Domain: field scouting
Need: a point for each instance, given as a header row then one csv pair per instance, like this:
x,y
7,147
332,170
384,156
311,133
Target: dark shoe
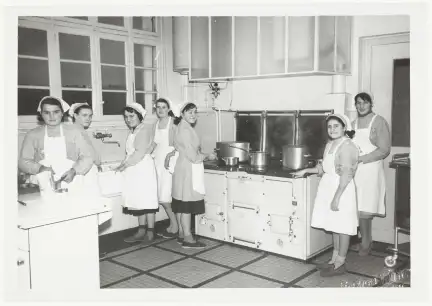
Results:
x,y
167,234
180,240
355,247
323,266
135,238
193,245
365,252
331,271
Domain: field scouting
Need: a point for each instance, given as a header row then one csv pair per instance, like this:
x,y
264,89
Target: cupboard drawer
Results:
x,y
23,240
279,197
215,186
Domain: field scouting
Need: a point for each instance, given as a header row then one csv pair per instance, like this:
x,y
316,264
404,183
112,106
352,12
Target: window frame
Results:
x,y
91,28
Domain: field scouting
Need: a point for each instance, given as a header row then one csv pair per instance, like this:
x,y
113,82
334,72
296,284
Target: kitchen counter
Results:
x,y
62,207
274,169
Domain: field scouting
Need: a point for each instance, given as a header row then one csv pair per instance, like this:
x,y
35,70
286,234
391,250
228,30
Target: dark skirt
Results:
x,y
188,207
139,212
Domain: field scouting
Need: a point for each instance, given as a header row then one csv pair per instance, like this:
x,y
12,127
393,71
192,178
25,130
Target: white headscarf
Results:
x,y
74,107
344,119
138,107
63,103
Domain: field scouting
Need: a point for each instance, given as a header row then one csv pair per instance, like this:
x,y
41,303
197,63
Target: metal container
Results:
x,y
230,161
233,149
295,157
259,159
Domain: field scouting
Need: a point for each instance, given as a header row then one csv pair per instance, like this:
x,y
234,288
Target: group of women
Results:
x,y
352,188
163,164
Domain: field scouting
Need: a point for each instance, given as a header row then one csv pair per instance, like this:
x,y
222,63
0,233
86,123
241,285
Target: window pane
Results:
x,y
144,56
76,75
113,78
33,72
28,100
114,102
71,96
117,21
144,79
144,23
139,98
112,52
78,17
32,42
326,43
74,47
301,40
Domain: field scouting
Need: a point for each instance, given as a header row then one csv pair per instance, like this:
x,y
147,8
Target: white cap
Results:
x,y
170,103
74,107
138,107
177,109
344,119
63,103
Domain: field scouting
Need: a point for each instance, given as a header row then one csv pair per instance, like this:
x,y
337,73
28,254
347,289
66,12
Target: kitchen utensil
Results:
x,y
296,157
259,159
233,149
231,161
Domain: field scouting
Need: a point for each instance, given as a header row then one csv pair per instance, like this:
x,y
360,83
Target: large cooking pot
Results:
x,y
259,159
233,149
296,157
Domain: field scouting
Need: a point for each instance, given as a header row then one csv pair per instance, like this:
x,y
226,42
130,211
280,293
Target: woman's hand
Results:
x,y
122,167
212,156
335,204
99,168
68,176
168,158
300,173
44,168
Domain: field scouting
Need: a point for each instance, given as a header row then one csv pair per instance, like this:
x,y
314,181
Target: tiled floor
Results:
x,y
165,264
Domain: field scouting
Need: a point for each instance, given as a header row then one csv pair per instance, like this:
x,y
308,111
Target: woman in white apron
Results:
x,y
82,115
373,140
335,208
188,177
56,153
139,174
163,138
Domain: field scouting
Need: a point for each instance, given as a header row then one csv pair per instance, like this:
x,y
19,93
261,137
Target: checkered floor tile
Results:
x,y
190,272
143,281
110,272
147,258
241,280
278,268
231,256
315,280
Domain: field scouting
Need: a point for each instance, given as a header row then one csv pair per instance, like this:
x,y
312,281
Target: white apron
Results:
x,y
56,158
164,176
198,178
369,178
344,221
140,180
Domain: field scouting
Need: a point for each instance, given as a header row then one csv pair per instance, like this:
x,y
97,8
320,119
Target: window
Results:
x,y
75,68
33,69
84,62
145,74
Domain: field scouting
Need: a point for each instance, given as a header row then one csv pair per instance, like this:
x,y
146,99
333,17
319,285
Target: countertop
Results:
x,y
62,207
275,169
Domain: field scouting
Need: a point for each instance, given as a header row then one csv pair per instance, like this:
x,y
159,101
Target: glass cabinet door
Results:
x,y
200,47
272,45
343,44
245,46
301,41
221,47
326,43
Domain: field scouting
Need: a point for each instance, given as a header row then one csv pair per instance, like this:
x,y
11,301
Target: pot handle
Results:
x,y
238,148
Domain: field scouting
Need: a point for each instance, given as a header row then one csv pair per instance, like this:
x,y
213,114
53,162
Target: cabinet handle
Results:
x,y
20,262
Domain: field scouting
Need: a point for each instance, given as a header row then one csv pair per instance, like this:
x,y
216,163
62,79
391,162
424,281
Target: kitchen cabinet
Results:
x,y
263,212
229,48
58,244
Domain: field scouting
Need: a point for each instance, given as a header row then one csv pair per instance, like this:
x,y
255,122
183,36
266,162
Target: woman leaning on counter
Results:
x,y
188,177
56,147
139,180
335,208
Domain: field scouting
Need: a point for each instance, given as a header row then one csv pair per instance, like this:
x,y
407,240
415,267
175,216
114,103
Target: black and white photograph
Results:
x,y
217,149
